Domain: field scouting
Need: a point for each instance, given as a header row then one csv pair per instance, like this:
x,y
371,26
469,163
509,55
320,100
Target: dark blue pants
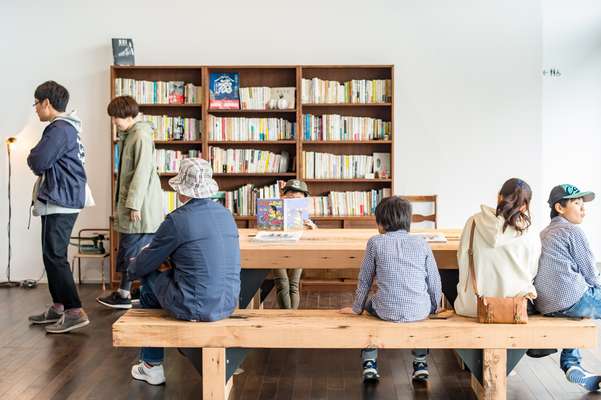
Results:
x,y
56,231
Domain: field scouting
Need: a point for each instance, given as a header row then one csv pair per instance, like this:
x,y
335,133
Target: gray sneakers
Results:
x,y
69,322
47,317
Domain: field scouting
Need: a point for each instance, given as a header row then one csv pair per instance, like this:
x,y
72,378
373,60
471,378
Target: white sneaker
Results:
x,y
154,375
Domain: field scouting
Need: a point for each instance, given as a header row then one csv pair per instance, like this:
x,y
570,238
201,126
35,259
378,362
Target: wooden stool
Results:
x,y
79,256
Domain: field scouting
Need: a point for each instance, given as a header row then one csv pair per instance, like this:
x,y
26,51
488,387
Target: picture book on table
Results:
x,y
123,52
224,90
282,214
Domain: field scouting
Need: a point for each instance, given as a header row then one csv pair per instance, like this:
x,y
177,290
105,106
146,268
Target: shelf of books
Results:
x,y
170,98
259,126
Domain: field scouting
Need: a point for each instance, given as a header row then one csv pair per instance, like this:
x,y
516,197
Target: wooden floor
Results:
x,y
84,365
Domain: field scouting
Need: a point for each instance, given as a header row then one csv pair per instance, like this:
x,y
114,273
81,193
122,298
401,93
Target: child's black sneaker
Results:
x,y
370,371
420,371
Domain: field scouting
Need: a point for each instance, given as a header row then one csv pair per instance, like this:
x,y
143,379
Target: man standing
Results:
x,y
138,193
59,194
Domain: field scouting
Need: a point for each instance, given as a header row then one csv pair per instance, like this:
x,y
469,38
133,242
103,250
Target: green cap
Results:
x,y
567,191
296,185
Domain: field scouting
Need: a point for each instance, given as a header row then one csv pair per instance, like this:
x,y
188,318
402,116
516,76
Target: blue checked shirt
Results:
x,y
408,280
566,269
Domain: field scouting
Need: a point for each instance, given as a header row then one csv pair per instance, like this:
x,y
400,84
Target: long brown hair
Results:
x,y
515,194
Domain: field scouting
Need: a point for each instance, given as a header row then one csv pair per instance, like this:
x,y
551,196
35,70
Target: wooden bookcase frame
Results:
x,y
268,75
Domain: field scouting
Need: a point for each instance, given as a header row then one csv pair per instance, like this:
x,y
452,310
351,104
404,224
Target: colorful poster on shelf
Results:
x,y
282,214
175,93
382,165
224,90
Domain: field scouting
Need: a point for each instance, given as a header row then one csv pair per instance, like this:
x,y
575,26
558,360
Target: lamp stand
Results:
x,y
8,283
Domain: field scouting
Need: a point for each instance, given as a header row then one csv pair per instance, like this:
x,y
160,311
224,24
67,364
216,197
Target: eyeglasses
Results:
x,y
36,103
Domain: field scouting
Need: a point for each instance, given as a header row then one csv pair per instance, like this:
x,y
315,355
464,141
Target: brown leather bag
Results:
x,y
496,310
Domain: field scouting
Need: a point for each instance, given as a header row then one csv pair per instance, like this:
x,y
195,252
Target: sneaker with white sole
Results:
x,y
578,375
370,371
155,375
114,300
69,322
50,316
420,371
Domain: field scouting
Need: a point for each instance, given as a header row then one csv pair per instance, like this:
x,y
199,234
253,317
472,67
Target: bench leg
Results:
x,y
257,305
213,374
494,372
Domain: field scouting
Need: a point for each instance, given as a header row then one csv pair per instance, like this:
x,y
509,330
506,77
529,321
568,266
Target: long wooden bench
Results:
x,y
328,329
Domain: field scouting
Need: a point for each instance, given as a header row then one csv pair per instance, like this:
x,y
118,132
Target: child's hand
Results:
x,y
310,224
346,310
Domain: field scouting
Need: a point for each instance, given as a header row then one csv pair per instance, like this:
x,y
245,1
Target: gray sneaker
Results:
x,y
69,322
47,317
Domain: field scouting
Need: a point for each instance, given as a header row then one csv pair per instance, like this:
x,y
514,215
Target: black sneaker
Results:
x,y
114,300
370,371
420,371
49,316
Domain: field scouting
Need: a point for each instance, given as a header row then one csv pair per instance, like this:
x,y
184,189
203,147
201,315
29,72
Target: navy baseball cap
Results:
x,y
567,191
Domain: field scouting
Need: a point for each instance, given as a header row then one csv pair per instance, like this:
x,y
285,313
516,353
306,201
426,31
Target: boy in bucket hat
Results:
x,y
200,239
567,282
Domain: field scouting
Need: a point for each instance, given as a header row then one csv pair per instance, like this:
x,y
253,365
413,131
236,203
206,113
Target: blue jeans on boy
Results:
x,y
589,306
372,354
150,355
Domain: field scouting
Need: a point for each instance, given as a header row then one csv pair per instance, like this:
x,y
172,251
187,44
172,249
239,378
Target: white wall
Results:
x,y
468,86
572,103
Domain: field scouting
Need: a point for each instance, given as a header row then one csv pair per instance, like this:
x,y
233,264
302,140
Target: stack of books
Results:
x,y
174,128
264,98
338,127
243,201
357,91
240,129
248,161
334,166
348,203
193,94
158,92
170,202
168,160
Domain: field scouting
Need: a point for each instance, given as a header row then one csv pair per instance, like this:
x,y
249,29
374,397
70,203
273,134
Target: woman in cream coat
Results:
x,y
506,257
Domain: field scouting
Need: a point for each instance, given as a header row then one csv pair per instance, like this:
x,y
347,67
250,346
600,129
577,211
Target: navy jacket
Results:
x,y
201,240
59,157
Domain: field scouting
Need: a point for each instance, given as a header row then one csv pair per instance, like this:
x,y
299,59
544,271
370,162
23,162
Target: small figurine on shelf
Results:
x,y
282,103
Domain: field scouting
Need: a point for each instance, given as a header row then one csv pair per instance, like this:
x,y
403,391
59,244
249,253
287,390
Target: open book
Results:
x,y
431,237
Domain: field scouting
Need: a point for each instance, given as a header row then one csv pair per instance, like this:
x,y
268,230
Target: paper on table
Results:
x,y
277,236
431,237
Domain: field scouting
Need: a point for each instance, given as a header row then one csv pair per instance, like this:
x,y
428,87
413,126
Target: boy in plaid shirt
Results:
x,y
409,287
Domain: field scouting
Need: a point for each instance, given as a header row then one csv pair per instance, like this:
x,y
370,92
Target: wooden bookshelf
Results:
x,y
270,76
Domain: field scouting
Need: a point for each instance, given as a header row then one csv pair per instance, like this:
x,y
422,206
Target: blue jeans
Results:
x,y
589,306
372,354
150,355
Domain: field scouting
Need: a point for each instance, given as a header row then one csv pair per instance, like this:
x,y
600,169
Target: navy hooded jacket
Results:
x,y
59,157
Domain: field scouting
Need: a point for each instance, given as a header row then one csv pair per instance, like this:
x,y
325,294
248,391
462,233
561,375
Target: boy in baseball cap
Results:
x,y
567,282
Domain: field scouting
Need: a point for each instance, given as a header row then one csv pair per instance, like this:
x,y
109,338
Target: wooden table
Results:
x,y
331,249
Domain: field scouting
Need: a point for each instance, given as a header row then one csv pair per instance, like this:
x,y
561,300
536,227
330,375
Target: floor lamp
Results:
x,y
10,142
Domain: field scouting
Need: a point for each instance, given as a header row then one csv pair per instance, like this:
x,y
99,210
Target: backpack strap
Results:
x,y
470,252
